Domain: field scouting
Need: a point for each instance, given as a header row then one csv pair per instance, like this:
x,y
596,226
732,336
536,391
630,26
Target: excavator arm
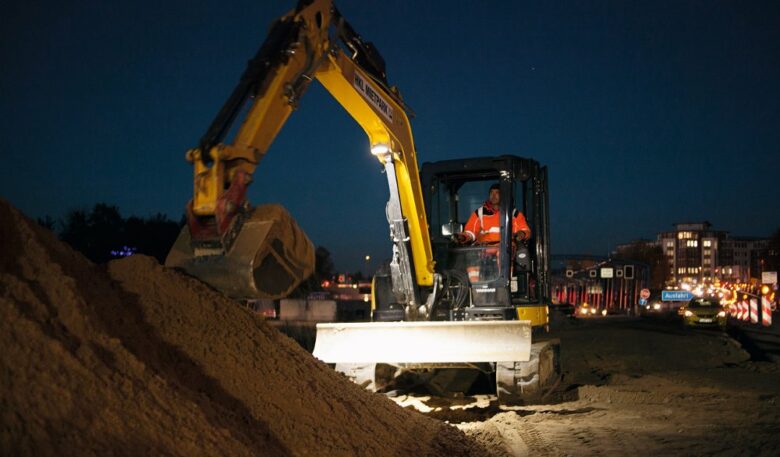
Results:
x,y
311,42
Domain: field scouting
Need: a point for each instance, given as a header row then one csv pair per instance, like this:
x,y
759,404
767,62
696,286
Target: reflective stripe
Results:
x,y
482,230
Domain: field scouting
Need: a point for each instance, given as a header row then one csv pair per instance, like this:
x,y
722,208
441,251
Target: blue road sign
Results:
x,y
642,301
676,295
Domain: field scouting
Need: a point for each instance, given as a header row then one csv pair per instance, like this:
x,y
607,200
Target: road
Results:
x,y
635,387
763,343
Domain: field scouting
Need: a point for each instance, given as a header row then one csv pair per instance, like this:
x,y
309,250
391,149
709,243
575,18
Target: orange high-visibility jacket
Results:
x,y
483,225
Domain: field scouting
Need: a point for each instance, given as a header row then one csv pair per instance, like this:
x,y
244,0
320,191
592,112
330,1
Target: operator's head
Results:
x,y
495,194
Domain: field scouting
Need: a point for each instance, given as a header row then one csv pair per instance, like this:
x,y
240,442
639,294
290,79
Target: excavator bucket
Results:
x,y
270,256
423,342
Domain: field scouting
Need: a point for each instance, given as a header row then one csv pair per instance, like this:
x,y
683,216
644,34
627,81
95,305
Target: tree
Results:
x,y
323,264
323,269
153,236
103,234
77,231
47,222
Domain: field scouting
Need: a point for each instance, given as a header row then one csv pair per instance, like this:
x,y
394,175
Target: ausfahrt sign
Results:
x,y
676,295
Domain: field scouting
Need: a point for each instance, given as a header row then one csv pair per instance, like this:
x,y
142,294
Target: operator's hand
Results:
x,y
460,238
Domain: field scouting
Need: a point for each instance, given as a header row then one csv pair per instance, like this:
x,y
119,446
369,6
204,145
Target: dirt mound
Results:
x,y
136,359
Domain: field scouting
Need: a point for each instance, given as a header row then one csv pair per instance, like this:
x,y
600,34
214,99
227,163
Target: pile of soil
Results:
x,y
136,359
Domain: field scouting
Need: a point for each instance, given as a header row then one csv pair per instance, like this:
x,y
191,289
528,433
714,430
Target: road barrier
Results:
x,y
748,311
753,311
745,308
766,312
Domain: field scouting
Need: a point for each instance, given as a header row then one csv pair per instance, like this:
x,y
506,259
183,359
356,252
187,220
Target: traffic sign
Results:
x,y
769,277
644,293
676,295
642,301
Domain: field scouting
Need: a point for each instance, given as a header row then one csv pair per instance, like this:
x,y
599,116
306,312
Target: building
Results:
x,y
691,250
697,253
742,257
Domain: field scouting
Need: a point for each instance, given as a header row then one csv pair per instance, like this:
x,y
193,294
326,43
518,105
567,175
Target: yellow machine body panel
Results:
x,y
537,315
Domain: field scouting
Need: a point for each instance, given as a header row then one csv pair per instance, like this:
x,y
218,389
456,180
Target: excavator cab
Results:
x,y
507,279
503,280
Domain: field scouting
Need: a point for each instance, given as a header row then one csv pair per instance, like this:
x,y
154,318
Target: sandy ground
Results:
x,y
635,387
136,359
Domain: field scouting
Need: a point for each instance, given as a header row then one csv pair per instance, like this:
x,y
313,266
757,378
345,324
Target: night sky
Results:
x,y
647,113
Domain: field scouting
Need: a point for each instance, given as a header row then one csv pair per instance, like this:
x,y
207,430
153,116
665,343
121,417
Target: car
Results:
x,y
654,306
704,312
587,310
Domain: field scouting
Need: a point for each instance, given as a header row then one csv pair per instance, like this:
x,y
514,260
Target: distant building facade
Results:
x,y
695,252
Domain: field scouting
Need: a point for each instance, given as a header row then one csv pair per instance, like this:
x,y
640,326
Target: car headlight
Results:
x,y
688,313
593,310
583,311
656,306
722,314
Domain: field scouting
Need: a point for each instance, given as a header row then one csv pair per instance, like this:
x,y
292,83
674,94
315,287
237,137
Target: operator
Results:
x,y
484,226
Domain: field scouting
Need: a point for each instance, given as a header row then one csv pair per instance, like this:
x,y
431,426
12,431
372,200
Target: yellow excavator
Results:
x,y
437,306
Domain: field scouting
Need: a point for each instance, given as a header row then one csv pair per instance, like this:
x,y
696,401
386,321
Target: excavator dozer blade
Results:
x,y
269,257
423,342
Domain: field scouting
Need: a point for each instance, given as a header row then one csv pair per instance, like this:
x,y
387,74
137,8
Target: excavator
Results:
x,y
437,306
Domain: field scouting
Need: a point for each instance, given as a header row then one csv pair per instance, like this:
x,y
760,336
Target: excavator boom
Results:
x,y
311,42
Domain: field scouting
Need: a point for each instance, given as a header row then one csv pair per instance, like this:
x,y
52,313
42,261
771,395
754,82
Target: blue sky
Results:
x,y
646,113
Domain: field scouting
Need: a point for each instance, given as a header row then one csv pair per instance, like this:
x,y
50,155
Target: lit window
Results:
x,y
707,243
